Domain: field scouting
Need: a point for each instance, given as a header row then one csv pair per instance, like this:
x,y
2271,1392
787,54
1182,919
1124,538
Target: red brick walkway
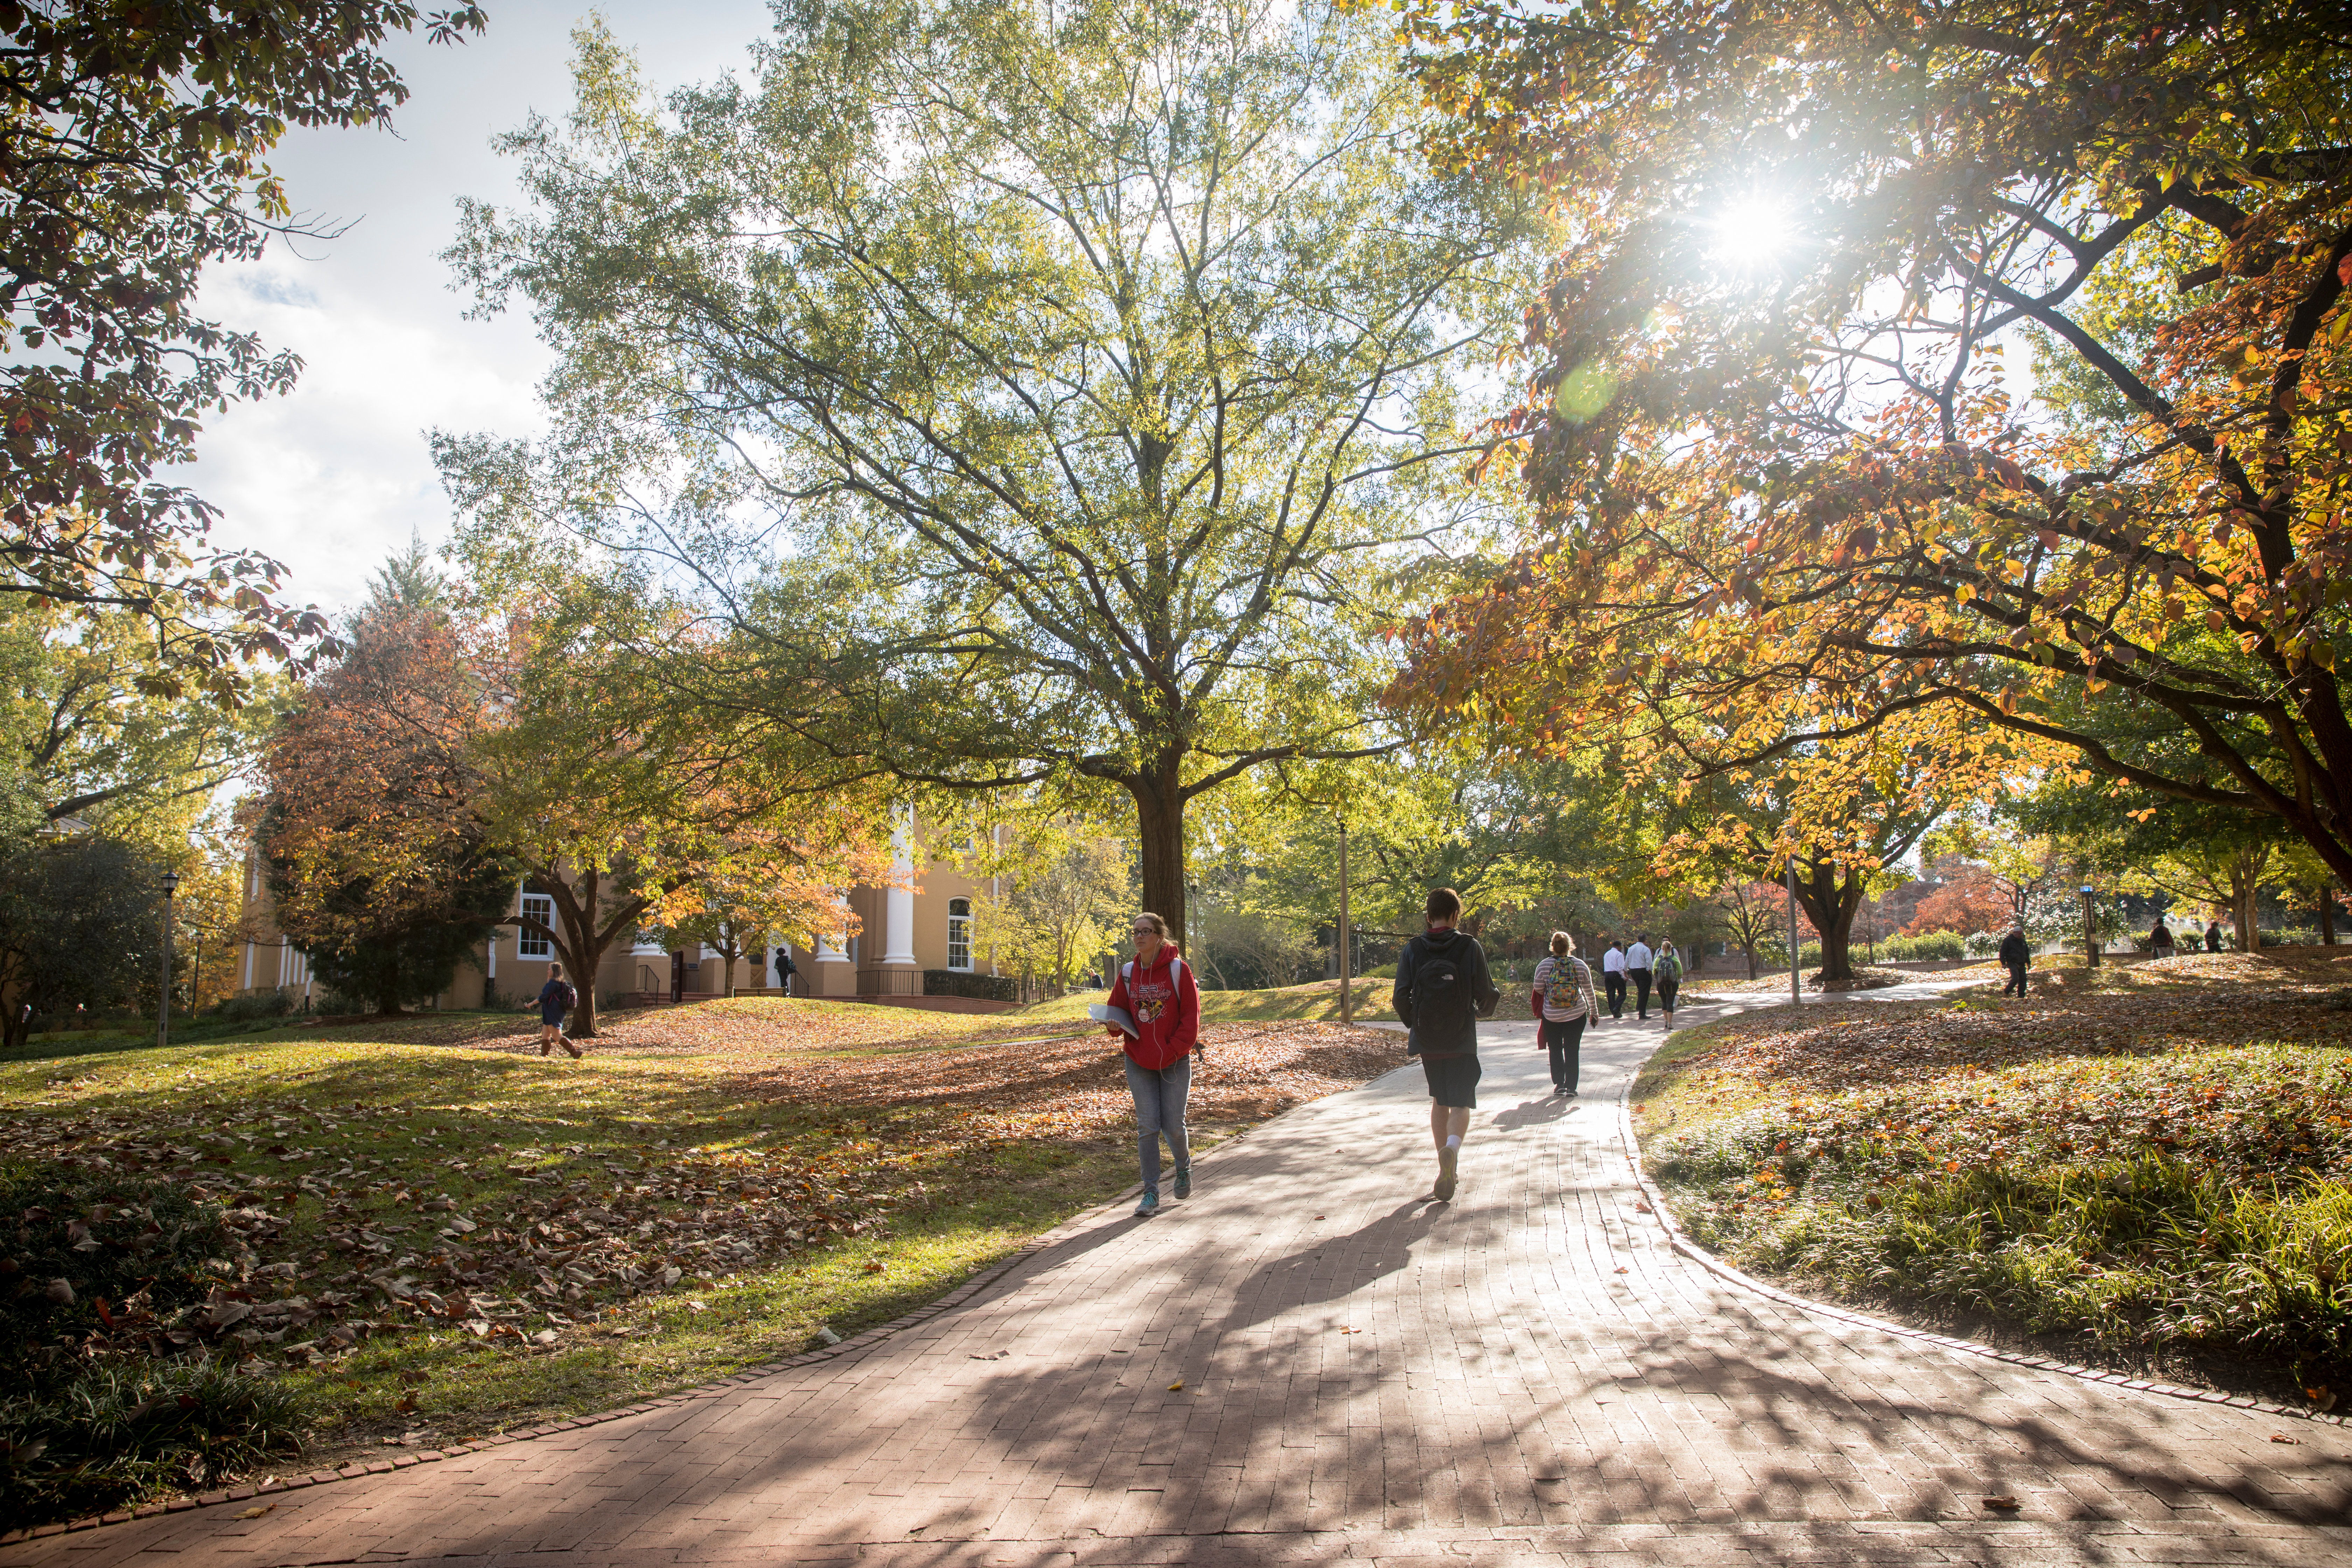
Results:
x,y
1532,1375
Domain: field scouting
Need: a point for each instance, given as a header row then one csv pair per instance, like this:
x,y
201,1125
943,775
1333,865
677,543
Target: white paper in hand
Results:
x,y
1103,1013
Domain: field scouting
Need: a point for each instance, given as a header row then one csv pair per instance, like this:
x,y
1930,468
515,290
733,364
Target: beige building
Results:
x,y
914,946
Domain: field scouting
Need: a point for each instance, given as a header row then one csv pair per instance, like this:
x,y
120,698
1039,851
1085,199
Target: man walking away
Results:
x,y
1442,988
2016,954
2214,937
1564,988
556,999
1612,974
1638,959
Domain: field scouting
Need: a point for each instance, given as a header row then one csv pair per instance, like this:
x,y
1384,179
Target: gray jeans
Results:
x,y
1159,1108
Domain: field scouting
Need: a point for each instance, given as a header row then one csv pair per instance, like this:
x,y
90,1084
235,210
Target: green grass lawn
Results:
x,y
434,1234
2150,1166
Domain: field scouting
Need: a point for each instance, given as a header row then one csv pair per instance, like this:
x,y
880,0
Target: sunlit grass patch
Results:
x,y
425,1239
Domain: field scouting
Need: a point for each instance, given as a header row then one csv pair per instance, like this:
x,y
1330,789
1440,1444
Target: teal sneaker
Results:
x,y
1150,1205
1184,1181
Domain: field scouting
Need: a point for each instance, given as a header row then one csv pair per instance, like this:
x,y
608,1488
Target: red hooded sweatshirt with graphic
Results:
x,y
1165,1004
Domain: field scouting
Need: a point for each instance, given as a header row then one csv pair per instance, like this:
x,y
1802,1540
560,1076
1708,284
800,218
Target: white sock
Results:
x,y
1454,1141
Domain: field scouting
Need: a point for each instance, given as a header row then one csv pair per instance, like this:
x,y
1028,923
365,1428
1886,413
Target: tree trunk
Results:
x,y
387,986
2327,915
2244,881
1750,950
579,942
1831,904
1159,844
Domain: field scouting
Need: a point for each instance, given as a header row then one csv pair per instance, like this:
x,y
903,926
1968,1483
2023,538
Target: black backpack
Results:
x,y
1441,1003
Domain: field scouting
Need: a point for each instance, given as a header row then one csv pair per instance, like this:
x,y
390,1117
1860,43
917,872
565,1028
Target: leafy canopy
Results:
x,y
1796,493
133,145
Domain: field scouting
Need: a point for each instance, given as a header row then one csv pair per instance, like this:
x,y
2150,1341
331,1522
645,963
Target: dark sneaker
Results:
x,y
1184,1181
1150,1205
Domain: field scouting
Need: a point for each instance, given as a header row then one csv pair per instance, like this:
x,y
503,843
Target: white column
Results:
x,y
828,949
898,899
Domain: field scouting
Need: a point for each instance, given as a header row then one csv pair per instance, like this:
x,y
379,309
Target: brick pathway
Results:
x,y
1532,1375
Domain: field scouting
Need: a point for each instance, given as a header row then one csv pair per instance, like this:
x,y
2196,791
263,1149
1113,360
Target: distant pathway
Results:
x,y
1534,1376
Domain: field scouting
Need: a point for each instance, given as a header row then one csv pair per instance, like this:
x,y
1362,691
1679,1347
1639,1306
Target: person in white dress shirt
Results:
x,y
1612,975
1637,971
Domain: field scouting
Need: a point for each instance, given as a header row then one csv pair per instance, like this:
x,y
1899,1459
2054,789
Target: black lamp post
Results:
x,y
163,998
2090,930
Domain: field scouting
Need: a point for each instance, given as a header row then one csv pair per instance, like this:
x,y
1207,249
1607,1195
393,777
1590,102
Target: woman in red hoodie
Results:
x,y
1157,992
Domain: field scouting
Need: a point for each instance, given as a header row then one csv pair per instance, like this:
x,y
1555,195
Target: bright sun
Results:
x,y
1753,233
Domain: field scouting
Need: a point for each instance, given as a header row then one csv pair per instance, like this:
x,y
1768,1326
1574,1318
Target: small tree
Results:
x,y
1752,916
1058,886
81,922
379,864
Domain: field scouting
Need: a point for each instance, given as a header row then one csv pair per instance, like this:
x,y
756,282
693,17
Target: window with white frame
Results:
x,y
530,943
959,933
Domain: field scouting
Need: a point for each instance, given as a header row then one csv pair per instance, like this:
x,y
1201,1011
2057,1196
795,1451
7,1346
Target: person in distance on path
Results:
x,y
1669,978
1443,989
1157,990
2015,954
1638,959
1612,974
555,999
2214,937
1564,996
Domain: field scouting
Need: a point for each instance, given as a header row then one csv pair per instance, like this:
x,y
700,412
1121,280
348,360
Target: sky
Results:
x,y
334,477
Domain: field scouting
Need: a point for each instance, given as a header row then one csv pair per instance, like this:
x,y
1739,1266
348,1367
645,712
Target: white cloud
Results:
x,y
334,476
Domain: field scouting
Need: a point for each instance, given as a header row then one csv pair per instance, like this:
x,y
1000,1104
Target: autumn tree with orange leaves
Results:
x,y
632,809
455,752
1802,499
380,866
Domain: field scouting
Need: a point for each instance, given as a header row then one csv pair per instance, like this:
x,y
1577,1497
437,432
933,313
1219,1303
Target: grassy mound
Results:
x,y
2151,1169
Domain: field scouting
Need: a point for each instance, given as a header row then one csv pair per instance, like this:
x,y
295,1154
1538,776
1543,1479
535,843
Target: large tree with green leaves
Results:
x,y
1099,371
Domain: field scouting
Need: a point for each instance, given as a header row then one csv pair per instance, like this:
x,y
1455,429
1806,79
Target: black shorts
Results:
x,y
1452,1081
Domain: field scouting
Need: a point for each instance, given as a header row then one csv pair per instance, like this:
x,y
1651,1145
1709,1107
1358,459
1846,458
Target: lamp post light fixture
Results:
x,y
2090,930
163,995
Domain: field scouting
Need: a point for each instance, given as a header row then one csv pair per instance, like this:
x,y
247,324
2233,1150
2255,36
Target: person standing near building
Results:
x,y
1612,975
555,999
1638,959
1669,978
1442,988
1158,996
1564,989
2015,954
785,970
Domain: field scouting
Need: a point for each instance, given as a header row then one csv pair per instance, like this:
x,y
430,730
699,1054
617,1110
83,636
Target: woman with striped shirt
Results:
x,y
1564,982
